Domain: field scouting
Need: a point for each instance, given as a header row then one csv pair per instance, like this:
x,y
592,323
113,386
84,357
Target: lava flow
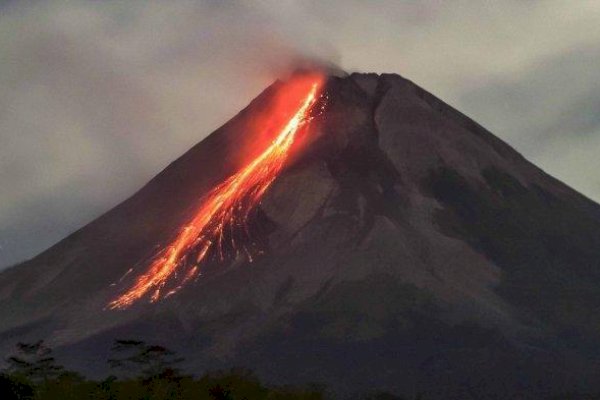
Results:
x,y
227,206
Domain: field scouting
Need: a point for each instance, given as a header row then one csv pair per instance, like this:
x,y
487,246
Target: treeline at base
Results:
x,y
226,385
150,372
141,371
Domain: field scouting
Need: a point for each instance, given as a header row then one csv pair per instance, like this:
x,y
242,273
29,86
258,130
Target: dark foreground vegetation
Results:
x,y
144,372
150,372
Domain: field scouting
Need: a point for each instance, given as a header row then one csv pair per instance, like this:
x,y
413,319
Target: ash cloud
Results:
x,y
97,97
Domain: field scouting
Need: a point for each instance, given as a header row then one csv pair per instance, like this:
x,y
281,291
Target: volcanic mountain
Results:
x,y
395,244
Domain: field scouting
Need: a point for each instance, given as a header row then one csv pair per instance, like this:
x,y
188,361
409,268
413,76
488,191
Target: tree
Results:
x,y
13,388
34,361
218,392
136,358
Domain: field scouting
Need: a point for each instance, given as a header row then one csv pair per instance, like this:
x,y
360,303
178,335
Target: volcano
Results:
x,y
386,242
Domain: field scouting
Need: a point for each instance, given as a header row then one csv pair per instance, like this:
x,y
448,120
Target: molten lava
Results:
x,y
226,207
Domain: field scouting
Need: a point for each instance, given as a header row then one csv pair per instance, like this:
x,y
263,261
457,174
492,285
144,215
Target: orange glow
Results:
x,y
227,206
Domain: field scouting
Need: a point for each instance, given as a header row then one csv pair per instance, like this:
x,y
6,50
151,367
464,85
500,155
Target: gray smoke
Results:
x,y
98,97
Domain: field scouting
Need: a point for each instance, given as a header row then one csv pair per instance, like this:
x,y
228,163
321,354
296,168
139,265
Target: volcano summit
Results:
x,y
351,230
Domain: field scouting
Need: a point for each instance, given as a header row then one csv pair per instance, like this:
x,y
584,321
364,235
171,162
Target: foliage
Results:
x,y
146,372
34,362
138,359
12,387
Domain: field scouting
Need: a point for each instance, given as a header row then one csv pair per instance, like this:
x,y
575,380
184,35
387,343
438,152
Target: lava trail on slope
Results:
x,y
224,208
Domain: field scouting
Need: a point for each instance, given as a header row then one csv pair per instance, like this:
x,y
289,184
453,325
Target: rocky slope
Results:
x,y
406,248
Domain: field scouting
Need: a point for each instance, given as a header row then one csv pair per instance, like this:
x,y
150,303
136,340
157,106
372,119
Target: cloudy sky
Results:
x,y
97,96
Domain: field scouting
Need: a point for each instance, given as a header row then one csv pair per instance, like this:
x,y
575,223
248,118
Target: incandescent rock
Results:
x,y
407,249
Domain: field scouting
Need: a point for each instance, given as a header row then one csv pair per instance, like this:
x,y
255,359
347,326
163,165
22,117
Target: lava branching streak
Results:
x,y
227,205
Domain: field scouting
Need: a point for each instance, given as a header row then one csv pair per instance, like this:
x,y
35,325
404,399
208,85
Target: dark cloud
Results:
x,y
97,97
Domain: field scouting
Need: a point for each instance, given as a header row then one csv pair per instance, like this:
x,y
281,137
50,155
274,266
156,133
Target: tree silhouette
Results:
x,y
12,388
138,359
151,375
34,361
218,392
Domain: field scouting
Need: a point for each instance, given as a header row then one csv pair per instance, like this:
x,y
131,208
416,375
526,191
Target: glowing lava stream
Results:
x,y
227,205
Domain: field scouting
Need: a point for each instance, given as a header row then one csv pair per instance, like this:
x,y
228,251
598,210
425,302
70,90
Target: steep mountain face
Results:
x,y
405,247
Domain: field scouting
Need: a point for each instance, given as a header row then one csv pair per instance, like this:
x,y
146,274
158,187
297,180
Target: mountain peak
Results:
x,y
400,244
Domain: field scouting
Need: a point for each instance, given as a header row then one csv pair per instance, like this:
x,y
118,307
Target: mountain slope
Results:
x,y
405,247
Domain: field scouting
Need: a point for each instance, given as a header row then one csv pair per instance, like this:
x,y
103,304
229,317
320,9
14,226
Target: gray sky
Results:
x,y
97,97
